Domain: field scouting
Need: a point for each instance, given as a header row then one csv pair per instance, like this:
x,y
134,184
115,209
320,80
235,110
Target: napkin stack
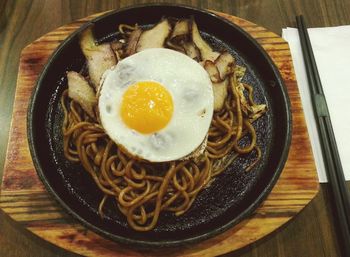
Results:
x,y
331,47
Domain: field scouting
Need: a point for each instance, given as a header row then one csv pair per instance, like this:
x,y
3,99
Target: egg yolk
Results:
x,y
146,107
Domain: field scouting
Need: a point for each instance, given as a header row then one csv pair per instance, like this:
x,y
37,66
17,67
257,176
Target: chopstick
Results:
x,y
330,153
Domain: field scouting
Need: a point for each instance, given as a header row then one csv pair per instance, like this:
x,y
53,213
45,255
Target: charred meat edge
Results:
x,y
99,57
213,71
180,31
133,41
191,50
225,64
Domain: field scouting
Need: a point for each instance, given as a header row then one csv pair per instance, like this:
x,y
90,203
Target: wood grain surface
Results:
x,y
310,234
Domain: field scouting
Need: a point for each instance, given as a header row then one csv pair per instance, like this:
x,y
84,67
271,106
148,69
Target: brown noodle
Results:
x,y
142,189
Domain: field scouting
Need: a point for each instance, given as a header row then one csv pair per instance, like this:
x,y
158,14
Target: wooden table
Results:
x,y
311,233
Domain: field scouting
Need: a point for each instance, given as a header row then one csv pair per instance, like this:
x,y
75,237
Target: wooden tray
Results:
x,y
24,198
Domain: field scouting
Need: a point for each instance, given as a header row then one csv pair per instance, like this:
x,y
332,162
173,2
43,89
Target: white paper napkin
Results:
x,y
331,47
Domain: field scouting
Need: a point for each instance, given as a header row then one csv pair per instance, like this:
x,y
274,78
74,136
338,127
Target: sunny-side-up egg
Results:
x,y
157,104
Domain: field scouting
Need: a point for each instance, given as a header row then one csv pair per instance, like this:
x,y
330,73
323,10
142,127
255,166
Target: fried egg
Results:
x,y
157,104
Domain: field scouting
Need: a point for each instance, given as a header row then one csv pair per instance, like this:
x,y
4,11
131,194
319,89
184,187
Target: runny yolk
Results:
x,y
146,107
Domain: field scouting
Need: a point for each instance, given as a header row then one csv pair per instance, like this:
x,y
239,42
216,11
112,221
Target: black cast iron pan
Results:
x,y
232,196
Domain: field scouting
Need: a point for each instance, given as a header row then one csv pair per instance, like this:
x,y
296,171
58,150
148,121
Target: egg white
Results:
x,y
192,94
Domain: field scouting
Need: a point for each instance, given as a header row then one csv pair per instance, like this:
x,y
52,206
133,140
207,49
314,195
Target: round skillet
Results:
x,y
231,196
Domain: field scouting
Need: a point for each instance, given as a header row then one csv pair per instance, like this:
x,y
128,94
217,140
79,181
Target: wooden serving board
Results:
x,y
24,198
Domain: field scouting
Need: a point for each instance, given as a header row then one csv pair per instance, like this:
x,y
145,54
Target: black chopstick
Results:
x,y
330,153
